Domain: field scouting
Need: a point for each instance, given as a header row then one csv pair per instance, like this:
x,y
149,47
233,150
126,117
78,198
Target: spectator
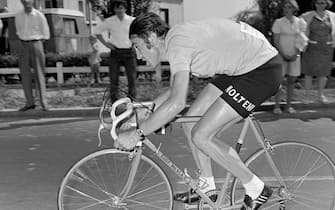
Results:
x,y
1,26
286,31
317,60
122,52
94,59
32,29
4,45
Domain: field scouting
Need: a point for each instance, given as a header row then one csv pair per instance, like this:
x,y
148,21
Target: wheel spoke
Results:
x,y
302,178
306,170
90,197
96,181
147,189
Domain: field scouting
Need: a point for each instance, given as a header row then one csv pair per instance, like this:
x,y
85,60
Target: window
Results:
x,y
164,14
70,26
87,14
81,6
54,4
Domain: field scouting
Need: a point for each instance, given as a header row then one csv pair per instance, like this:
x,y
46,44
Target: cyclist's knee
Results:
x,y
199,138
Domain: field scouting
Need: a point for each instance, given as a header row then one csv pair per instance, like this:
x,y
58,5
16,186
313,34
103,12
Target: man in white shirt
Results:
x,y
245,70
32,29
122,52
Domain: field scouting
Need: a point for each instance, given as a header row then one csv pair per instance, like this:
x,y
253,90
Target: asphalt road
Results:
x,y
36,153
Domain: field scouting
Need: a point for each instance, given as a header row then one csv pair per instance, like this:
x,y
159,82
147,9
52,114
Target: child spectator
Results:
x,y
94,60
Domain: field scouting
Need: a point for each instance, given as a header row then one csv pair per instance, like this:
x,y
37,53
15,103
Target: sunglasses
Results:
x,y
320,3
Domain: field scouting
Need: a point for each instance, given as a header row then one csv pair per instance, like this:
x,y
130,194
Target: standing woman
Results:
x,y
286,33
317,60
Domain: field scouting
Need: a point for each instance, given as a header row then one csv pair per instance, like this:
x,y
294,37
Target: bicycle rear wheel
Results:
x,y
97,181
306,170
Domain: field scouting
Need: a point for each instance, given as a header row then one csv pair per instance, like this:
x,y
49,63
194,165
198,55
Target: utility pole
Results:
x,y
90,17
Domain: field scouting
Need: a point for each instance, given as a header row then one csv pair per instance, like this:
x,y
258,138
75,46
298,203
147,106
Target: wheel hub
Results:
x,y
116,201
284,193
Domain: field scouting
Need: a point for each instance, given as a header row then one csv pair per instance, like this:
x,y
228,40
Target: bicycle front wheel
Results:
x,y
98,181
306,170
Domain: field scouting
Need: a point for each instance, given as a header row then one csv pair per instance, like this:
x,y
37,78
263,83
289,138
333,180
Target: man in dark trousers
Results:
x,y
32,29
122,52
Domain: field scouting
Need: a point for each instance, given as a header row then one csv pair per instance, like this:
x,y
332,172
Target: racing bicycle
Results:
x,y
300,175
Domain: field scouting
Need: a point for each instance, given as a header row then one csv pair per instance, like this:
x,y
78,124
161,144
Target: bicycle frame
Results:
x,y
250,121
308,172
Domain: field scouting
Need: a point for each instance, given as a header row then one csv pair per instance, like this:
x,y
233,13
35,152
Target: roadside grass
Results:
x,y
86,95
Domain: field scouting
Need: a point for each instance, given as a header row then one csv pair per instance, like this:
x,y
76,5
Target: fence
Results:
x,y
59,70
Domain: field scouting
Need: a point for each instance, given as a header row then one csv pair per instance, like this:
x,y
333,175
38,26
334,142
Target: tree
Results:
x,y
262,15
135,7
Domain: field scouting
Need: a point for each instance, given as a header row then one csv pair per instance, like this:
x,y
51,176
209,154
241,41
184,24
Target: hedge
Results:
x,y
73,59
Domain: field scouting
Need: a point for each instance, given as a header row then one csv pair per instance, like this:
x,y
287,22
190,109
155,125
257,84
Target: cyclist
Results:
x,y
245,72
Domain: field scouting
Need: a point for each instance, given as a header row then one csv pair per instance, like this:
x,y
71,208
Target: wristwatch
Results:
x,y
140,134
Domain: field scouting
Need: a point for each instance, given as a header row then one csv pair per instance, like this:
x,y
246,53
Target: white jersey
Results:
x,y
216,46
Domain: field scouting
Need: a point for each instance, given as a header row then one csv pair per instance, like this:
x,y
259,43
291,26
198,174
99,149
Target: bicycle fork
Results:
x,y
135,157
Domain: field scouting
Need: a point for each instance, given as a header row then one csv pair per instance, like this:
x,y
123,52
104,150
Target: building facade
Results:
x,y
71,22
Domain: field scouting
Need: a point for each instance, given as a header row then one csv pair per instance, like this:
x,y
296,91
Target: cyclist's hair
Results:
x,y
147,23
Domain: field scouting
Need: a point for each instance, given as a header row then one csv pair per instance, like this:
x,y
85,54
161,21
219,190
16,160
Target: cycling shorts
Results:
x,y
246,92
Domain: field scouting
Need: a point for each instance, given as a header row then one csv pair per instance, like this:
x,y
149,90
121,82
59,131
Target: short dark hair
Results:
x,y
118,3
329,4
146,23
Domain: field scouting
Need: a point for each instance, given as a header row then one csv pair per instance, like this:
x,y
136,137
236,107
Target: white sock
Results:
x,y
207,183
254,188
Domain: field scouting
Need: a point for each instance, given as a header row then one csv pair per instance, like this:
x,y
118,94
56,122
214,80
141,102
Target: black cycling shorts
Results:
x,y
247,91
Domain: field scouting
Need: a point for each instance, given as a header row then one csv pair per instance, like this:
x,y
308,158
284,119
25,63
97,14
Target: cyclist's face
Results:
x,y
145,50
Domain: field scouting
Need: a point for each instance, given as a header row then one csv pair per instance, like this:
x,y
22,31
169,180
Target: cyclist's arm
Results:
x,y
168,104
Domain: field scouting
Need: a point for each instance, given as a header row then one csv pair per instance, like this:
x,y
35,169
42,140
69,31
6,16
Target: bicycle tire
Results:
x,y
95,181
308,172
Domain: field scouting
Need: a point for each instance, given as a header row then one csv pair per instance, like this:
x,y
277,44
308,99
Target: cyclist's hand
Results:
x,y
128,125
128,139
117,145
142,114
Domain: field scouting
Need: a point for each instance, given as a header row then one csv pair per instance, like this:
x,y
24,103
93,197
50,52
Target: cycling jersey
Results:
x,y
216,46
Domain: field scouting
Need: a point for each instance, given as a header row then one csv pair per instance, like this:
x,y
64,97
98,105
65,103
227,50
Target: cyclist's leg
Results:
x,y
218,116
202,103
205,99
241,94
204,137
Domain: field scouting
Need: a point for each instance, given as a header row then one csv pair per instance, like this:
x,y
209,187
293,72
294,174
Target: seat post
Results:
x,y
242,134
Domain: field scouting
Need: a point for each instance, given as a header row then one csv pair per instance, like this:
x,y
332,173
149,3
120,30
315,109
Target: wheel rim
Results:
x,y
97,182
307,172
